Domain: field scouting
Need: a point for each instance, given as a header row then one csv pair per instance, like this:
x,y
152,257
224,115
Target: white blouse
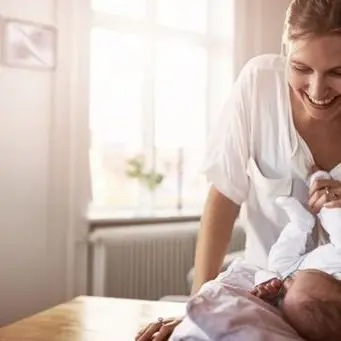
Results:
x,y
255,153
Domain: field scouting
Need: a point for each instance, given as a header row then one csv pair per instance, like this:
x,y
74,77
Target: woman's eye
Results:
x,y
301,69
336,73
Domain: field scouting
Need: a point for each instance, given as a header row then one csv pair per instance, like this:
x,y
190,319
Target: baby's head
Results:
x,y
312,305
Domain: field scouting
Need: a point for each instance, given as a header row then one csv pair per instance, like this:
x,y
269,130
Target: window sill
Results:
x,y
98,217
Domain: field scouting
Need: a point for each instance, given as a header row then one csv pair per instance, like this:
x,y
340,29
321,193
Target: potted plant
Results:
x,y
150,180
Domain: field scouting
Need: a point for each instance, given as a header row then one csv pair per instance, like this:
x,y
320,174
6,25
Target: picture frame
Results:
x,y
26,44
1,34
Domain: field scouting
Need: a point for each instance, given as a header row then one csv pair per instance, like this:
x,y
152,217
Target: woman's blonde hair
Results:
x,y
306,18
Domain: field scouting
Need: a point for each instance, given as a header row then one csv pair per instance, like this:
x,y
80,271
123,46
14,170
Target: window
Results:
x,y
160,71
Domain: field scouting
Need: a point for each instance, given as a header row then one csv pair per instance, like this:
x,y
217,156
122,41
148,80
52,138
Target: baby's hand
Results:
x,y
268,291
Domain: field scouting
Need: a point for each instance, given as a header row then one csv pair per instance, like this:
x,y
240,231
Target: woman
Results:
x,y
283,118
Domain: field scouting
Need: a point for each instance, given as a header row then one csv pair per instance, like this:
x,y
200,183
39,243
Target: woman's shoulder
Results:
x,y
264,69
262,75
266,63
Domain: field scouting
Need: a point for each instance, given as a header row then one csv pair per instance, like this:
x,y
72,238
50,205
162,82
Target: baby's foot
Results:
x,y
297,214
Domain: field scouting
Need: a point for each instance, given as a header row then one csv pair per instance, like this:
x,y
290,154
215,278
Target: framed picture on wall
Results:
x,y
1,34
28,45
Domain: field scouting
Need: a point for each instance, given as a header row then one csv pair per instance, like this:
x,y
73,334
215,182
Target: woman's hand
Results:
x,y
324,193
160,330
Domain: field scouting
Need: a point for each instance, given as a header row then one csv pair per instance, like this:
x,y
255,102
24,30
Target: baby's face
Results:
x,y
311,282
308,285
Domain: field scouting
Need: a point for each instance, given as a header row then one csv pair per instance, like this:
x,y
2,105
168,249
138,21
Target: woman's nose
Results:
x,y
317,87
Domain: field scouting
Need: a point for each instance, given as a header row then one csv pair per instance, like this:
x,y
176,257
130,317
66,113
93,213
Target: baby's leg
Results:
x,y
287,252
290,248
331,221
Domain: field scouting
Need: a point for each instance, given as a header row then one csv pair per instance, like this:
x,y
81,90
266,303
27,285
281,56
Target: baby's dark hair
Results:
x,y
318,320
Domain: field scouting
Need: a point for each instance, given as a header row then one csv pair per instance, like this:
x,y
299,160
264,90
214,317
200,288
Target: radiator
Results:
x,y
143,262
146,262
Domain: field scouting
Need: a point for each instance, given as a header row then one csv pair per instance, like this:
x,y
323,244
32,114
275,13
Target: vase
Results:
x,y
146,205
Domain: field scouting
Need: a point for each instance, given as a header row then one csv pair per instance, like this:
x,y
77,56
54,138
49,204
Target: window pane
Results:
x,y
115,113
221,80
180,95
131,8
180,119
116,85
194,184
222,18
166,197
183,185
188,15
110,184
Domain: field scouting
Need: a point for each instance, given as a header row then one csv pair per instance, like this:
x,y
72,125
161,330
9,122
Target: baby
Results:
x,y
306,286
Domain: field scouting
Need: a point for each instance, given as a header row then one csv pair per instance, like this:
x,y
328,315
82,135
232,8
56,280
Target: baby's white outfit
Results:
x,y
289,253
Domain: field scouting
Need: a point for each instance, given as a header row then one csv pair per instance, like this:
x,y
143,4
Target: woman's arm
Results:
x,y
225,167
214,236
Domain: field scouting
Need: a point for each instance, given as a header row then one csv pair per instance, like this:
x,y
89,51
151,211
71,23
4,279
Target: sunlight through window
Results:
x,y
190,15
131,8
155,87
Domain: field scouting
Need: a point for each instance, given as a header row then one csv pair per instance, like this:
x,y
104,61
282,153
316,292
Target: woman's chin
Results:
x,y
324,113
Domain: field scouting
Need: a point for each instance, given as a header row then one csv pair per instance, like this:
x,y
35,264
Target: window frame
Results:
x,y
154,31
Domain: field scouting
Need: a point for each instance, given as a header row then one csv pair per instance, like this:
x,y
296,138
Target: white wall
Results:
x,y
272,24
40,212
258,27
25,114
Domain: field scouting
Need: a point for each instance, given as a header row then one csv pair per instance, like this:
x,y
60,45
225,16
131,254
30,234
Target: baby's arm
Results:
x,y
287,252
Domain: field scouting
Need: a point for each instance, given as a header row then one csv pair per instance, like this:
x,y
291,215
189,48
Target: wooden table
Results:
x,y
90,319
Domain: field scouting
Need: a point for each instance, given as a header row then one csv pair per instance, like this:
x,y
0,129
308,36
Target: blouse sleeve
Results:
x,y
228,148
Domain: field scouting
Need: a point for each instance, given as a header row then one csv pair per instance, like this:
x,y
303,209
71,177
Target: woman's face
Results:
x,y
315,76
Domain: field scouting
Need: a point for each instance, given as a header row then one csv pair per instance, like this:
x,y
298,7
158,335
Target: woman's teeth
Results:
x,y
321,102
